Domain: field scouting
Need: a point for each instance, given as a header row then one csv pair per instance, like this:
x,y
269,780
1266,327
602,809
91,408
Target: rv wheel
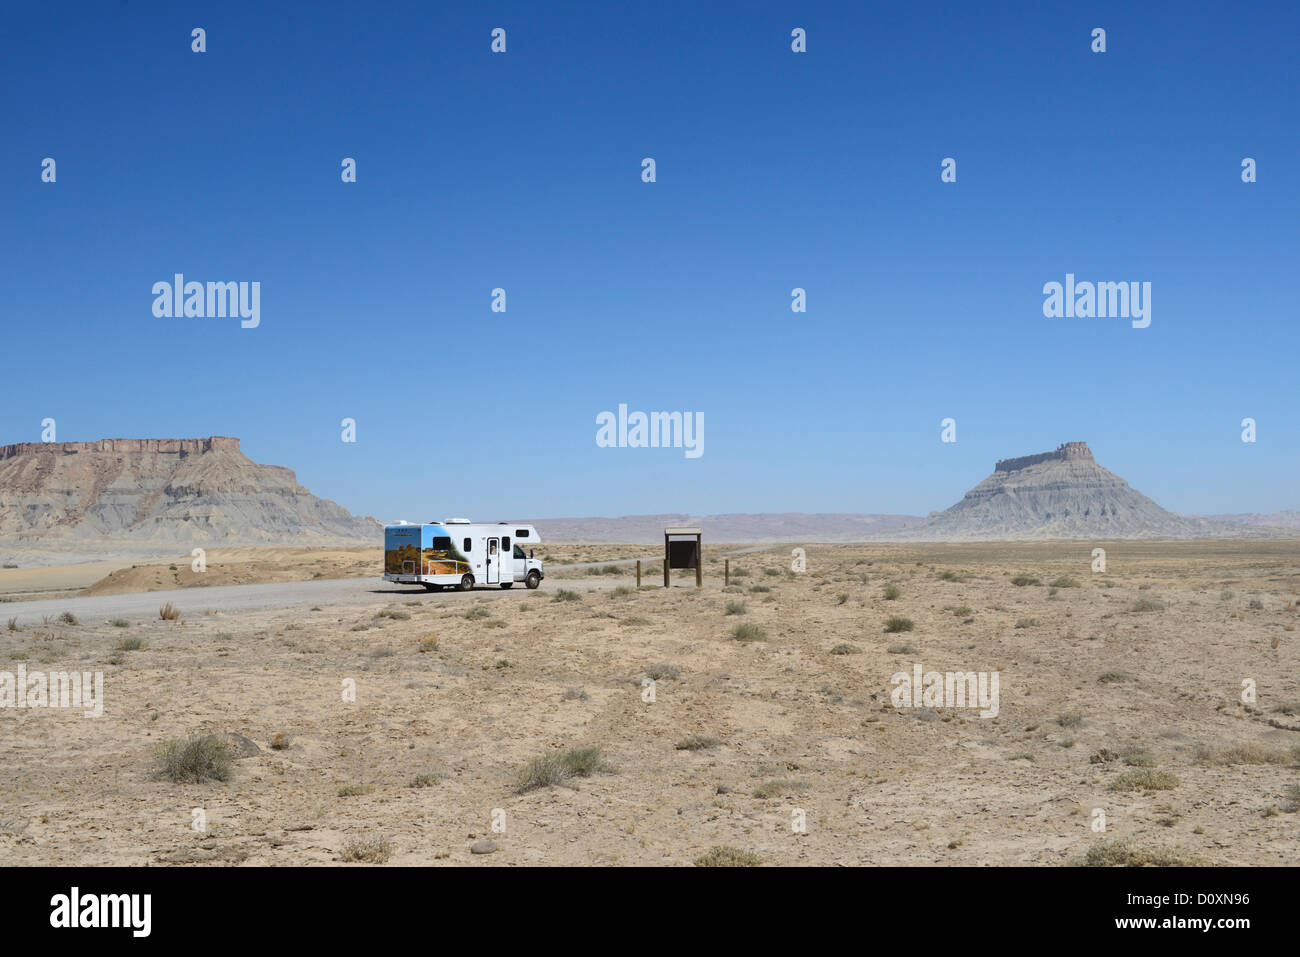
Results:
x,y
507,584
466,583
533,580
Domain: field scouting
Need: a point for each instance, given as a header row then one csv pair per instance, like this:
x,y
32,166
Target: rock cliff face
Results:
x,y
163,491
1059,494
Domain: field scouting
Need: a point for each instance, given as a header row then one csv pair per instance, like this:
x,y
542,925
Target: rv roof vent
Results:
x,y
457,521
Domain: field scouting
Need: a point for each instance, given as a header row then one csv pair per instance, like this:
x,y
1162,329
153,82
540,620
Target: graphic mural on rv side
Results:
x,y
422,550
401,549
439,553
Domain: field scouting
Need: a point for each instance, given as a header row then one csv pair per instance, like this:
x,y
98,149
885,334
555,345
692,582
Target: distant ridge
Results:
x,y
200,491
741,528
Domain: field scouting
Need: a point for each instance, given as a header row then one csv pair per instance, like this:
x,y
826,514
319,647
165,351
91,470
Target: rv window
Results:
x,y
505,543
442,542
521,533
469,545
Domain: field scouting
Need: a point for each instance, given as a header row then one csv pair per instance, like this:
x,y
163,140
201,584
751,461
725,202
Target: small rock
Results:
x,y
483,847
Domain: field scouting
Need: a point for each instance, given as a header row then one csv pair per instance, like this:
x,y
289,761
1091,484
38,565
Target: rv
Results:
x,y
460,554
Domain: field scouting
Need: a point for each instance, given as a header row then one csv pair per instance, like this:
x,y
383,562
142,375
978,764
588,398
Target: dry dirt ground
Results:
x,y
1128,678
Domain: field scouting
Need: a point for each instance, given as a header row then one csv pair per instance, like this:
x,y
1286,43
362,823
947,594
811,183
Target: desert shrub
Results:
x,y
474,614
1291,802
565,594
559,768
1127,854
130,644
726,856
395,614
1145,605
891,592
1026,622
354,790
748,632
697,742
1136,757
428,644
901,650
194,760
1145,780
662,670
169,612
841,598
1112,677
13,623
1070,720
367,850
778,787
846,649
622,591
1247,753
896,624
120,623
758,589
68,618
735,608
425,780
1065,581
1021,581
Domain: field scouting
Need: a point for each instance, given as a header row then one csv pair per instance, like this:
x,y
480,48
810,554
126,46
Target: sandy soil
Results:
x,y
1141,664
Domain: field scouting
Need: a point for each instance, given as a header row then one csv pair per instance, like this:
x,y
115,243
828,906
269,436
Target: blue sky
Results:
x,y
775,170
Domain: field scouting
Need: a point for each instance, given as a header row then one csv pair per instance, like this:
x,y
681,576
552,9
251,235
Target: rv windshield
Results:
x,y
519,552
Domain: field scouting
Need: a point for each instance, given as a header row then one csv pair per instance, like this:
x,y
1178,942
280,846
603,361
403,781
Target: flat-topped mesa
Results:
x,y
214,443
1063,452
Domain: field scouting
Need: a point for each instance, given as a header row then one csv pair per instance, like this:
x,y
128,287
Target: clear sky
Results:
x,y
775,170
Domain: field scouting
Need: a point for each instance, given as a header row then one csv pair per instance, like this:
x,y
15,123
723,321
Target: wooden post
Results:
x,y
666,585
638,573
699,564
726,571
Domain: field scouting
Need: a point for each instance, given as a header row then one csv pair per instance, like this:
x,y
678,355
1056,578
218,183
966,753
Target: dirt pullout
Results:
x,y
408,728
243,566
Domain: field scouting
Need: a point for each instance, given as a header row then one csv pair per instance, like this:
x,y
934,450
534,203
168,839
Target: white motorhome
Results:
x,y
460,554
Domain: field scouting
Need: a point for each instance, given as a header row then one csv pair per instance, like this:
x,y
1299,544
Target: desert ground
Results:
x,y
1121,698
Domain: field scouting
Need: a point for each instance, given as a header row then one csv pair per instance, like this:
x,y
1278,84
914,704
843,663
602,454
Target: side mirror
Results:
x,y
530,553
